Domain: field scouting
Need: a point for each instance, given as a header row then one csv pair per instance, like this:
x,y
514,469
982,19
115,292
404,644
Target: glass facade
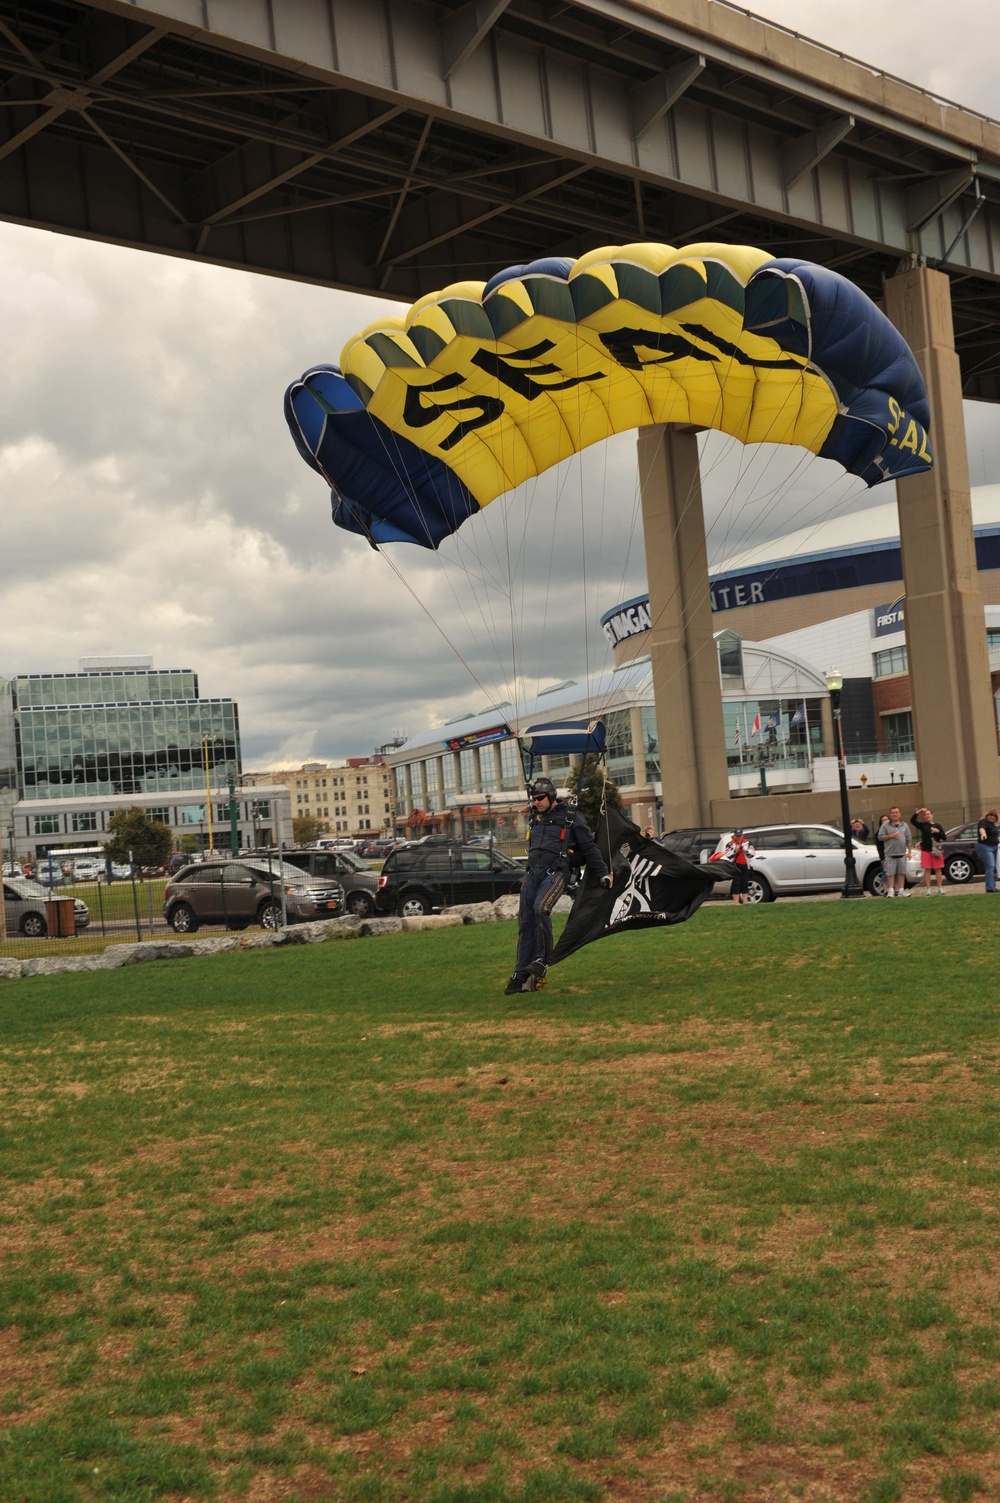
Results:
x,y
487,769
621,763
468,771
892,660
511,773
8,745
650,738
104,686
74,738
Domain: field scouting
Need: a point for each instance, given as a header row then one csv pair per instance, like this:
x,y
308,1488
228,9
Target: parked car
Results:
x,y
377,850
24,904
807,858
13,869
87,870
424,877
48,876
691,843
178,859
249,891
961,860
345,867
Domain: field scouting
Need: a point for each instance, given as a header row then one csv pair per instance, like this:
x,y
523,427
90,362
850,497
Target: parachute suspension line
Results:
x,y
775,497
494,698
440,629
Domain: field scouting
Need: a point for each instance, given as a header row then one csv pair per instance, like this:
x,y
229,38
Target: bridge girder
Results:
x,y
392,148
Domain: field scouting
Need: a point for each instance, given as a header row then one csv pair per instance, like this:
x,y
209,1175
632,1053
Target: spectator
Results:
x,y
738,851
931,854
860,831
986,847
896,844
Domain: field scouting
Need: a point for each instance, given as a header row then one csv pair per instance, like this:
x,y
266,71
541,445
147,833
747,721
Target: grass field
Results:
x,y
713,1217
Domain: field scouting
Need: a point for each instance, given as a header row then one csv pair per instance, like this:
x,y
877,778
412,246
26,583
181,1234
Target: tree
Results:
x,y
591,786
190,844
136,837
305,829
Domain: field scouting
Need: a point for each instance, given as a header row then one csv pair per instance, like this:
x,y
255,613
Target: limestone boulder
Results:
x,y
378,926
448,920
473,913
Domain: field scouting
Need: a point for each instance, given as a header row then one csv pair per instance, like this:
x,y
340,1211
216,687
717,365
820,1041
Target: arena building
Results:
x,y
828,595
831,594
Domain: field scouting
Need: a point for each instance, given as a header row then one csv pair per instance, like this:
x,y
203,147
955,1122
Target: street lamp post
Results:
x,y
852,887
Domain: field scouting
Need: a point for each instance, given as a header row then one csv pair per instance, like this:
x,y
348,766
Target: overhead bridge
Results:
x,y
393,146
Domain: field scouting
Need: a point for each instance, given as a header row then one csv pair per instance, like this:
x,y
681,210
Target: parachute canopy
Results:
x,y
483,386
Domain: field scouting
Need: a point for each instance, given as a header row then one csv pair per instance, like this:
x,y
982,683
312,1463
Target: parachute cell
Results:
x,y
485,385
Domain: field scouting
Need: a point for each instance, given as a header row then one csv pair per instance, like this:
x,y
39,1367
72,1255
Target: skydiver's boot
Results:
x,y
537,972
515,985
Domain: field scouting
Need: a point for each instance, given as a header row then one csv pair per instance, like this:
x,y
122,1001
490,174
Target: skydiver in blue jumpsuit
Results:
x,y
559,837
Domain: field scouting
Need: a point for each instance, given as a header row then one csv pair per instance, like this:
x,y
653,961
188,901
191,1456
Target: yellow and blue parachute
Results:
x,y
484,385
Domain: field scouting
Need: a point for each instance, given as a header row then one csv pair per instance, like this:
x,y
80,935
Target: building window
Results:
x,y
85,820
890,660
162,816
651,744
899,733
46,824
621,763
192,814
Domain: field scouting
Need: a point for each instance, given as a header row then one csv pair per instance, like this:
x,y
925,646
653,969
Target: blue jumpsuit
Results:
x,y
552,837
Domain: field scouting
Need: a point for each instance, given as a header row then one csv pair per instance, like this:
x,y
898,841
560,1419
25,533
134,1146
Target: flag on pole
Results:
x,y
756,726
736,738
774,723
799,718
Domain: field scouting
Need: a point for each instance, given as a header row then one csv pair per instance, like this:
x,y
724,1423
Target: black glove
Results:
x,y
607,880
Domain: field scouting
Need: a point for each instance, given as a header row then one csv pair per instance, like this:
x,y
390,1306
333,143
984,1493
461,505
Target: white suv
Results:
x,y
806,858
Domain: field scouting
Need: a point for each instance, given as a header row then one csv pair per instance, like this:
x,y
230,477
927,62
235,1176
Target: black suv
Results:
x,y
420,878
355,876
691,843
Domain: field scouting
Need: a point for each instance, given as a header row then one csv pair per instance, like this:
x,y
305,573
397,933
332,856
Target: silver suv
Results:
x,y
240,893
806,858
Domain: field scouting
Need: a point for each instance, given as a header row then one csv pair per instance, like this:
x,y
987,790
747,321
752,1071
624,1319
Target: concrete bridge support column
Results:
x,y
681,644
953,713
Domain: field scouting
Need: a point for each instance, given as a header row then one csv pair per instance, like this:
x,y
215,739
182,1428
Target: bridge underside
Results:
x,y
391,149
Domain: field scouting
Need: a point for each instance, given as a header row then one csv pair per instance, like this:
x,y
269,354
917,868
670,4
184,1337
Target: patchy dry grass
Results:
x,y
344,1223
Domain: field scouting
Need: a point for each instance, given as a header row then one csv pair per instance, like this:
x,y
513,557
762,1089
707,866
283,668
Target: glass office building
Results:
x,y
126,730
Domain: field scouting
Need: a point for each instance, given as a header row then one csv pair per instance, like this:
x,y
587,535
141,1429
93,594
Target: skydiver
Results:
x,y
559,837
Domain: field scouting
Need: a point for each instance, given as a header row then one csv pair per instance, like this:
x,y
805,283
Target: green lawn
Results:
x,y
714,1216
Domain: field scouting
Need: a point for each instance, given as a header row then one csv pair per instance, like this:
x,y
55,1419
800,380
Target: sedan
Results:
x,y
961,860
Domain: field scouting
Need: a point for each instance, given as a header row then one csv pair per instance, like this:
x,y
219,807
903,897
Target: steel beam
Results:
x,y
351,141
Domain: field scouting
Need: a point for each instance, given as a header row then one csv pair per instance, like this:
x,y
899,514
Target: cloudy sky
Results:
x,y
153,502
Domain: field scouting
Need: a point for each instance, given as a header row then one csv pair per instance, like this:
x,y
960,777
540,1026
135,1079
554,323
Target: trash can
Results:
x,y
60,917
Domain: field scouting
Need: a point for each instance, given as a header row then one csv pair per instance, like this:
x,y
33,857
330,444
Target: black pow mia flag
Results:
x,y
652,887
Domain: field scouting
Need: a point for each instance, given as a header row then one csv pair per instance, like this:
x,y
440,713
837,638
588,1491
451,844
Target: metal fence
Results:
x,y
66,915
75,916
